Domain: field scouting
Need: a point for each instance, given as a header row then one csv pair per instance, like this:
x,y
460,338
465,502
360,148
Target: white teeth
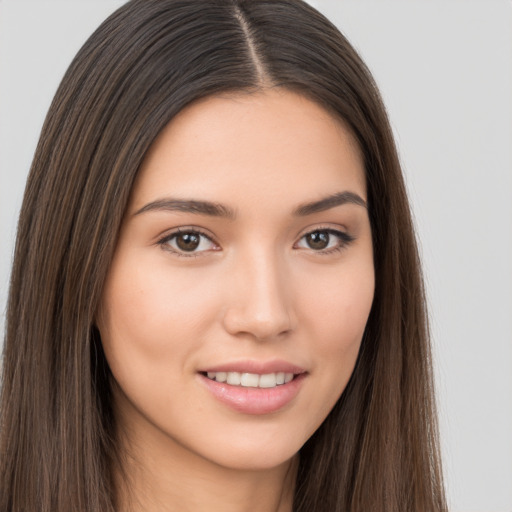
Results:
x,y
252,380
268,380
233,378
218,376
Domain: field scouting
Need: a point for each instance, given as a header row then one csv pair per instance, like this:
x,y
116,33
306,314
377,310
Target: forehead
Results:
x,y
273,144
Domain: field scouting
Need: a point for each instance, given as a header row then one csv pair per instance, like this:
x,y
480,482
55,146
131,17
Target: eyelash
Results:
x,y
164,242
344,240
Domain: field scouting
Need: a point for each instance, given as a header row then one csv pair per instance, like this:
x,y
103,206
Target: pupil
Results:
x,y
318,240
187,241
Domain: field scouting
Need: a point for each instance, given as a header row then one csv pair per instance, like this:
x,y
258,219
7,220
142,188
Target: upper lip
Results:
x,y
254,366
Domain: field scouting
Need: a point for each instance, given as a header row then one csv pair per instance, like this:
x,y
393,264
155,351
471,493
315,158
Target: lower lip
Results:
x,y
254,400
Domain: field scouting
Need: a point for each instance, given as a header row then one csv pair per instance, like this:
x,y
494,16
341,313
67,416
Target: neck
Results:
x,y
153,479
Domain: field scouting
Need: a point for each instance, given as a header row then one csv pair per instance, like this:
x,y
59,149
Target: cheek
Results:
x,y
336,320
150,324
153,323
338,304
146,308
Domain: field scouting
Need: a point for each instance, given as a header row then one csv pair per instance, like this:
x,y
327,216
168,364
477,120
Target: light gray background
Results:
x,y
445,71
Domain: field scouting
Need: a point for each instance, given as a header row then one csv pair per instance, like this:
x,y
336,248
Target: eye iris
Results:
x,y
187,241
318,239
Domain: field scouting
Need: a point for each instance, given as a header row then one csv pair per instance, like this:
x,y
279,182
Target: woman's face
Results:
x,y
244,260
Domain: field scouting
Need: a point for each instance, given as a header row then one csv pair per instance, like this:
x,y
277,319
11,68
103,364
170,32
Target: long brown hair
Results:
x,y
377,450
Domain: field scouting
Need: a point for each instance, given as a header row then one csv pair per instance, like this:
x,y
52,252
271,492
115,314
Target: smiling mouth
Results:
x,y
251,380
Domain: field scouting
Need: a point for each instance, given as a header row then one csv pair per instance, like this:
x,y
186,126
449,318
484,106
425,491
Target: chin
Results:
x,y
256,451
259,460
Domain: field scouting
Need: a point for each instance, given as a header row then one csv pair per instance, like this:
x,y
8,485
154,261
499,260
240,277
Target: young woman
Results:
x,y
216,300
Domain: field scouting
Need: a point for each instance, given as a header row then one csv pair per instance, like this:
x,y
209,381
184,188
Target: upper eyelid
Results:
x,y
341,233
324,227
168,234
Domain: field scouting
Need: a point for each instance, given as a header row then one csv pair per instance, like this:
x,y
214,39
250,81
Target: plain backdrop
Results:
x,y
445,71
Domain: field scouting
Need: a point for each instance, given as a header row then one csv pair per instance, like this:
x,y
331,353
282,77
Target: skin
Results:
x,y
255,289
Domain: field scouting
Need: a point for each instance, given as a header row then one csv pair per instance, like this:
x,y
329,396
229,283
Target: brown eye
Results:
x,y
188,241
318,240
324,240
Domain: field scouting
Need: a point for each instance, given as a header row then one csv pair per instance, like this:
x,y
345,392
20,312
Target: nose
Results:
x,y
260,301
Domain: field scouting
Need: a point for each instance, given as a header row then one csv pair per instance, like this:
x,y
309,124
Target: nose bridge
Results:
x,y
260,299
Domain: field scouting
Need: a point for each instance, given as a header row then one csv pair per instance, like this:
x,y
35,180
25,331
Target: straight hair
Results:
x,y
378,448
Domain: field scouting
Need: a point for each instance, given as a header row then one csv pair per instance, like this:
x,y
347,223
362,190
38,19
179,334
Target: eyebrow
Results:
x,y
329,202
213,209
189,206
